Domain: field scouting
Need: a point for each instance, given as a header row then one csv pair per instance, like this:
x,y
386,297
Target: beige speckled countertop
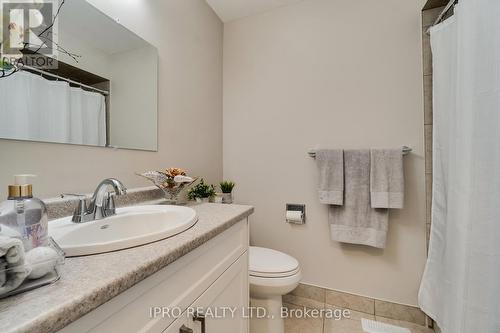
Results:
x,y
87,282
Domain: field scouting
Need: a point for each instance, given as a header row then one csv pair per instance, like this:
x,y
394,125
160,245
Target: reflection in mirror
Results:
x,y
102,90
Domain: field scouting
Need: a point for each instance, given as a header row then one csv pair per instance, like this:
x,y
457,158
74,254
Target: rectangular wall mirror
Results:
x,y
102,92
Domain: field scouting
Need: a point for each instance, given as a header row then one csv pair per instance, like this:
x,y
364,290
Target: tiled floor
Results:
x,y
351,325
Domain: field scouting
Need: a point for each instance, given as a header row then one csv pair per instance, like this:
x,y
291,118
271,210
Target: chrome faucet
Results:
x,y
102,203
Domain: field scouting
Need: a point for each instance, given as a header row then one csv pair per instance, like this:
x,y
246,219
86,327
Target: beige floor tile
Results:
x,y
399,312
343,326
414,328
350,301
428,197
429,16
311,292
302,325
427,53
302,301
355,315
428,100
352,324
428,129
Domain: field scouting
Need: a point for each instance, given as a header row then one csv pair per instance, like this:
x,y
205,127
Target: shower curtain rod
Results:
x,y
450,5
29,68
405,150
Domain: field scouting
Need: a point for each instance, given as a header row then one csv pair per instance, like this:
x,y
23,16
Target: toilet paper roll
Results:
x,y
294,216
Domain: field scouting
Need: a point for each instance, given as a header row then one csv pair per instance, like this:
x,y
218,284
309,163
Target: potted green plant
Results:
x,y
201,192
227,187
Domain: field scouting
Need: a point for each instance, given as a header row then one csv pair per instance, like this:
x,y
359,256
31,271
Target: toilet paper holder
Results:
x,y
295,213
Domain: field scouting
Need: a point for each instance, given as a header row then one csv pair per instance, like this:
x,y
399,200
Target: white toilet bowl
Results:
x,y
272,275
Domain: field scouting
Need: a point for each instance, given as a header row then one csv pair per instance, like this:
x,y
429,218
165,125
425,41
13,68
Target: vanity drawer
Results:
x,y
176,286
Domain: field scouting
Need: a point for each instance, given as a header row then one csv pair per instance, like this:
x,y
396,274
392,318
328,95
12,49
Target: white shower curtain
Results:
x,y
460,289
33,108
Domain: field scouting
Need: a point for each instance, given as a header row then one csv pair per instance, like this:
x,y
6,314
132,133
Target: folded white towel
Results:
x,y
387,178
331,176
16,271
42,260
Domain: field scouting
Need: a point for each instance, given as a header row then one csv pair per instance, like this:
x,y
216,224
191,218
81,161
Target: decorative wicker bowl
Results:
x,y
166,183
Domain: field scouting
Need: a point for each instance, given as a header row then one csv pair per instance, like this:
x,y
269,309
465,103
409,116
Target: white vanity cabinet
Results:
x,y
213,279
228,293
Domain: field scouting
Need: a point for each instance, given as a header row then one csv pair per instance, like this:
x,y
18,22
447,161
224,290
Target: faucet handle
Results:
x,y
109,204
81,209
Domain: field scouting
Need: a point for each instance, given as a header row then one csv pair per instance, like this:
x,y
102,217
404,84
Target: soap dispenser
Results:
x,y
23,216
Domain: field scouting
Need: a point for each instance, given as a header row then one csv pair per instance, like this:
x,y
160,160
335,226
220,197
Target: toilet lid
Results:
x,y
271,263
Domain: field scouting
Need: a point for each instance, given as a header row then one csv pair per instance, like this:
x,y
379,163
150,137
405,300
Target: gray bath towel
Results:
x,y
356,221
387,178
331,176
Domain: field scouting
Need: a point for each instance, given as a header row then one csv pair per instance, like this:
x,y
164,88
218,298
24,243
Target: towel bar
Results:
x,y
405,150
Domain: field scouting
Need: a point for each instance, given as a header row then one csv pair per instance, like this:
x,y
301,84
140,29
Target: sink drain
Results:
x,y
106,226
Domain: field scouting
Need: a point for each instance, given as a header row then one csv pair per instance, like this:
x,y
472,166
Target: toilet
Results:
x,y
272,274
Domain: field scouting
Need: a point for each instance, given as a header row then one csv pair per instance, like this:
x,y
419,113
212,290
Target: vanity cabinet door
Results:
x,y
181,325
224,306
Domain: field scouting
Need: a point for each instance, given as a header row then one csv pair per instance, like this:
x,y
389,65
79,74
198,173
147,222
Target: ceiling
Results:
x,y
229,10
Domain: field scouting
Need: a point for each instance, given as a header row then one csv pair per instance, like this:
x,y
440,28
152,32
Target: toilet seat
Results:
x,y
272,274
268,263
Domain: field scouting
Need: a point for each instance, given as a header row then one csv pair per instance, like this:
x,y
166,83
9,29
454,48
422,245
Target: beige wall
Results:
x,y
329,73
188,36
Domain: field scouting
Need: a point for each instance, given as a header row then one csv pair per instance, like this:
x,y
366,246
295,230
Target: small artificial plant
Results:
x,y
227,186
201,191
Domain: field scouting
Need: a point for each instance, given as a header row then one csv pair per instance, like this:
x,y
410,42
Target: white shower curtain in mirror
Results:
x,y
33,108
461,283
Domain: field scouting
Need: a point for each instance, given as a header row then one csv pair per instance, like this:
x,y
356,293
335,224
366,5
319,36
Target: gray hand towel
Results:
x,y
331,176
387,178
356,221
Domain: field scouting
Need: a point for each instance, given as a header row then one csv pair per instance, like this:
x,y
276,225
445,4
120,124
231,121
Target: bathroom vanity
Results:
x,y
180,284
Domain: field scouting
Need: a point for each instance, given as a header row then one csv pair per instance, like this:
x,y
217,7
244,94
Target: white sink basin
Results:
x,y
131,226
